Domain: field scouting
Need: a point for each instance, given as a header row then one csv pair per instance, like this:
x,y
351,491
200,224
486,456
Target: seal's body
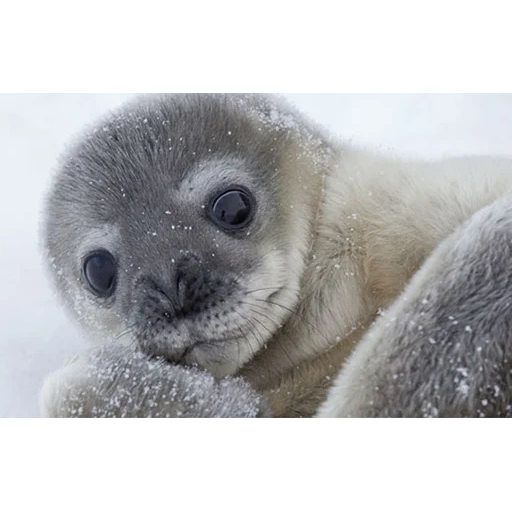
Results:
x,y
230,233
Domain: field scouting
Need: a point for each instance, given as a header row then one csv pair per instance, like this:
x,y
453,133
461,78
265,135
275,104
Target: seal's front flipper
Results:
x,y
118,382
445,347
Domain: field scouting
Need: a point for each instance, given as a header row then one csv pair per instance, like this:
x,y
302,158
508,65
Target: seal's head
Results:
x,y
183,223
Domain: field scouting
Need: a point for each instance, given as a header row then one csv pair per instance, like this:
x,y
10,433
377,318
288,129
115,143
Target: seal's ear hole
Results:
x,y
233,209
100,271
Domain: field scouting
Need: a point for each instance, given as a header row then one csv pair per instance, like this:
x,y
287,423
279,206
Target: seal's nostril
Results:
x,y
164,293
181,288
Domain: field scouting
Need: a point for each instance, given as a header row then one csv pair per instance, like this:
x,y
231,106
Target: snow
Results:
x,y
35,335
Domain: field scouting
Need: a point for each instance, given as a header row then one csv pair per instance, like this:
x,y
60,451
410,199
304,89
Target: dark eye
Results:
x,y
100,272
233,209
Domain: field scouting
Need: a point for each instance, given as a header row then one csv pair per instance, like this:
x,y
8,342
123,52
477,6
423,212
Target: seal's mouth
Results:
x,y
212,344
181,360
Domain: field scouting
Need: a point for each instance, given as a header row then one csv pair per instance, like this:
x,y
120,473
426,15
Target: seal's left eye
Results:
x,y
100,271
233,209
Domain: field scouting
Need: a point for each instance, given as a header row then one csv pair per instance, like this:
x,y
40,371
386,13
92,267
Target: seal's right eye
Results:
x,y
100,271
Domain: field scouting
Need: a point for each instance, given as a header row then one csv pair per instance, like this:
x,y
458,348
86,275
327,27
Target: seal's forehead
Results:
x,y
166,135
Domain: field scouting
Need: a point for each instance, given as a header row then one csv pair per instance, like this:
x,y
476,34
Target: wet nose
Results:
x,y
186,285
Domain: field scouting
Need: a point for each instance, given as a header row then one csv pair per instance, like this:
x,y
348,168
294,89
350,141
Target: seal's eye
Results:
x,y
233,209
100,272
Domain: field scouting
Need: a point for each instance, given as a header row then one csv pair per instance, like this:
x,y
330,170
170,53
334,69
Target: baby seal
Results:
x,y
231,234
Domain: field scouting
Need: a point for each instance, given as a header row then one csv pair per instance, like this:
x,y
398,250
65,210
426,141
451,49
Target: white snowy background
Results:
x,y
36,336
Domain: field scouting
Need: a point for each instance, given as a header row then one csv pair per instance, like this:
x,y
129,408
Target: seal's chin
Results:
x,y
220,357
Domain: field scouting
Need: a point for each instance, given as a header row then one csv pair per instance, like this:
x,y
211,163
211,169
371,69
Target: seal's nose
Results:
x,y
186,286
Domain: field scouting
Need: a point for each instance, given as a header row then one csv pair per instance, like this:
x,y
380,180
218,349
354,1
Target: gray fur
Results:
x,y
139,184
118,382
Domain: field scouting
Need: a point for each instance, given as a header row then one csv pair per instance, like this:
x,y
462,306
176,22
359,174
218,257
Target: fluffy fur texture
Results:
x,y
338,234
117,382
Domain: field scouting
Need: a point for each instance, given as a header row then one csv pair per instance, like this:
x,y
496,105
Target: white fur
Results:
x,y
380,219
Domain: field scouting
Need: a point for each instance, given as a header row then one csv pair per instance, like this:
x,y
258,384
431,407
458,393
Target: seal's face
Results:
x,y
167,227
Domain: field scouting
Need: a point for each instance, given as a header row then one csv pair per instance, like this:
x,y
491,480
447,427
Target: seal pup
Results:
x,y
229,232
